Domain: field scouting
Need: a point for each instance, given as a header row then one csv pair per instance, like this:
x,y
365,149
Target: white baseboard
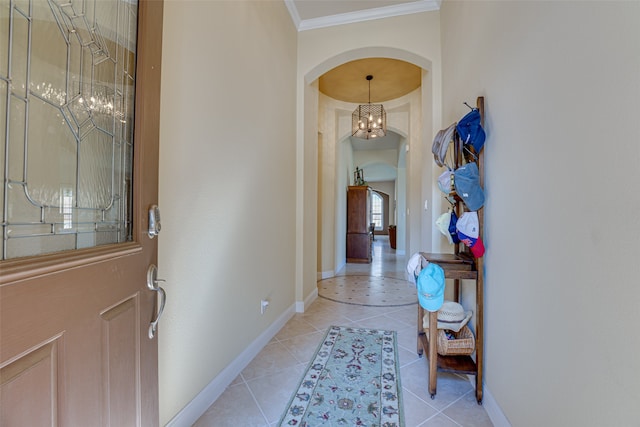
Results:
x,y
302,305
493,409
325,274
490,405
198,406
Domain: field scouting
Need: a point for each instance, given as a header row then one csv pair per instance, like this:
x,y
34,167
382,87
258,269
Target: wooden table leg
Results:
x,y
479,331
420,330
433,352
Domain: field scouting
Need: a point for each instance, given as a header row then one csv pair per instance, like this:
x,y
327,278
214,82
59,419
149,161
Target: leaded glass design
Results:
x,y
67,74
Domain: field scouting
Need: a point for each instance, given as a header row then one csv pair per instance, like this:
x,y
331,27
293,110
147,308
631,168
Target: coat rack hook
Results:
x,y
465,103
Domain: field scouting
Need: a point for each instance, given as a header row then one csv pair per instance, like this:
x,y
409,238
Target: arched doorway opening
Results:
x,y
334,166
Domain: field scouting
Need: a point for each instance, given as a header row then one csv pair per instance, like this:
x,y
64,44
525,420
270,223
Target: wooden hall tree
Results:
x,y
461,265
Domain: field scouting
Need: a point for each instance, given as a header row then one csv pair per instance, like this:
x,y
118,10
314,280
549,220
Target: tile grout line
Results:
x,y
438,411
451,404
246,384
255,400
404,389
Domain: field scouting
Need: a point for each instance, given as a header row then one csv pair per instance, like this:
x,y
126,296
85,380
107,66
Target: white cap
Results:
x,y
468,224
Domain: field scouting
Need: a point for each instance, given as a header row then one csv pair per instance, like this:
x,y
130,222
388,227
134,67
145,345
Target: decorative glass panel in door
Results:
x,y
67,70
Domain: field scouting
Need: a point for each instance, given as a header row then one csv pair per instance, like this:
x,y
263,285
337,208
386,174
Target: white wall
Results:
x,y
377,164
344,174
562,88
330,161
227,185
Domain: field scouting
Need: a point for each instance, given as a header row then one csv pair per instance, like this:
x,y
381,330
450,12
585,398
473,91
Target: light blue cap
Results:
x,y
431,287
467,183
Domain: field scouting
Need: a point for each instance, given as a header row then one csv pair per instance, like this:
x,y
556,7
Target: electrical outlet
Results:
x,y
263,306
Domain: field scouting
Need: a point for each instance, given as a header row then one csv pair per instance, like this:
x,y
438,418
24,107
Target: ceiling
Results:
x,y
347,82
391,78
311,14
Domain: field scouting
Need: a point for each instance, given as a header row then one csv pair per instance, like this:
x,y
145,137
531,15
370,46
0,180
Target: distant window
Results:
x,y
376,210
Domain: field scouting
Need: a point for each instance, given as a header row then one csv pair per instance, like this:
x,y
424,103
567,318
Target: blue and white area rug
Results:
x,y
352,380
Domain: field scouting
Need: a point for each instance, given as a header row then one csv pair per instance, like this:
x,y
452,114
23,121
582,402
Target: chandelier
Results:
x,y
369,120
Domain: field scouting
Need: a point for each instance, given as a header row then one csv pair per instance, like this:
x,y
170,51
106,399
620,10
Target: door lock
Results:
x,y
154,221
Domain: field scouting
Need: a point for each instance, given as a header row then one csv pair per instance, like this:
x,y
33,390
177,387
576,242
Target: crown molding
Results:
x,y
364,15
293,11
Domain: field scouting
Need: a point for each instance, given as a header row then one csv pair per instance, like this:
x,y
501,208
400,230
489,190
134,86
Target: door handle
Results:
x,y
153,284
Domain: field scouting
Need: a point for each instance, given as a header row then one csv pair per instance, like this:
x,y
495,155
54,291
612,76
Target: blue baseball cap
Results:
x,y
466,180
470,130
431,287
452,228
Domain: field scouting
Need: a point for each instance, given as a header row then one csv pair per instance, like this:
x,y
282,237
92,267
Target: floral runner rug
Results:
x,y
352,380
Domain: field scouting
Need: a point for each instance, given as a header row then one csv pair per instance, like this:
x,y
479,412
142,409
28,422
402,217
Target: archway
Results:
x,y
419,108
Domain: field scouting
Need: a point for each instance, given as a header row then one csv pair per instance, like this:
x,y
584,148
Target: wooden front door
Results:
x,y
75,308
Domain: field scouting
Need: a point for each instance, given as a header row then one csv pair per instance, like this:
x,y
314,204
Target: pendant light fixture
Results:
x,y
369,120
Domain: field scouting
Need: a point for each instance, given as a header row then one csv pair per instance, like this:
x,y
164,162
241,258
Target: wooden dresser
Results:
x,y
358,220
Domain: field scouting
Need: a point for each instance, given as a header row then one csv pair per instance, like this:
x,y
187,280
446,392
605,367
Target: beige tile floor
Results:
x,y
261,392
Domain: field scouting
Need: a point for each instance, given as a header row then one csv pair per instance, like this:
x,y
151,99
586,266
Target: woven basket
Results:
x,y
463,345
